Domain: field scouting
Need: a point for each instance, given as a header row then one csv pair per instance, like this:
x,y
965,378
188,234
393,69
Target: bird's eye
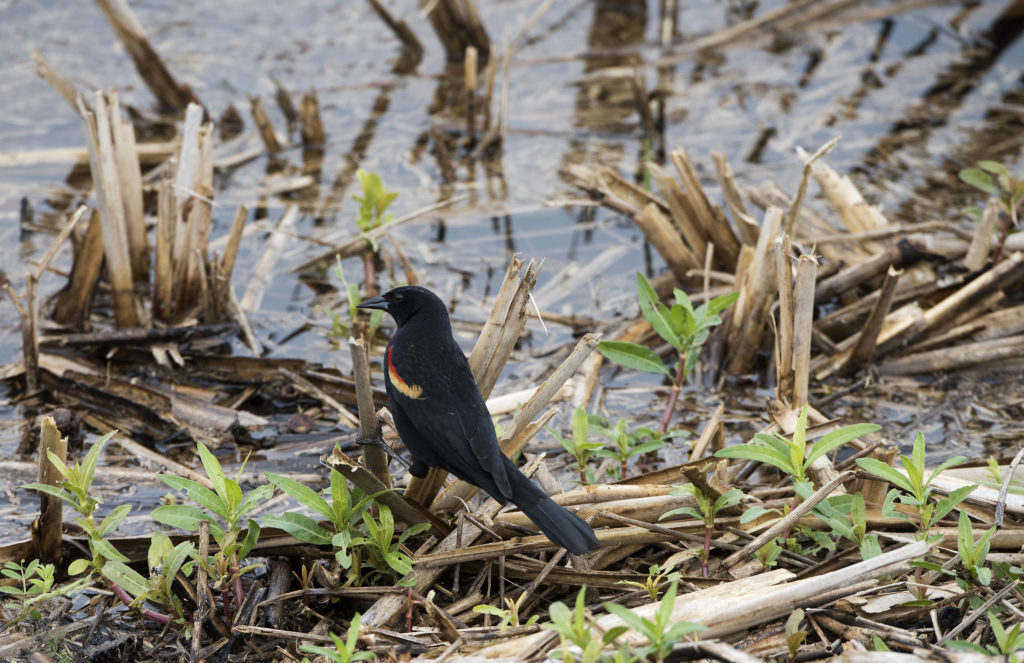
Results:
x,y
399,296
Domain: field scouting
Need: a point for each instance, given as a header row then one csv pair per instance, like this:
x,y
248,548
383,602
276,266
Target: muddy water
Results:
x,y
916,94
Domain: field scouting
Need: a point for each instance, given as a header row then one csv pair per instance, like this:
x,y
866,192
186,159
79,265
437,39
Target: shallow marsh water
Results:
x,y
916,91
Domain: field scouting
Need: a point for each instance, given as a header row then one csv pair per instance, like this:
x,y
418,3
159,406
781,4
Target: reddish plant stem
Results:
x,y
672,397
237,583
126,598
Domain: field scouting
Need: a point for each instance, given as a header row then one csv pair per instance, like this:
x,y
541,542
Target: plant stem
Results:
x,y
672,397
126,598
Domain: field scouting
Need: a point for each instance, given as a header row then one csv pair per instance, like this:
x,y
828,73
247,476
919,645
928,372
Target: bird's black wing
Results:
x,y
440,406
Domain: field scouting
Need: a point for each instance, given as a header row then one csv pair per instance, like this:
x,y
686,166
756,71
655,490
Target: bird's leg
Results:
x,y
378,441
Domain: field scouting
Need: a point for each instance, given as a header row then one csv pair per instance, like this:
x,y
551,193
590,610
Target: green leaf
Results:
x,y
301,526
214,472
177,557
633,356
251,537
635,621
869,547
994,167
719,304
755,512
579,426
182,516
837,438
400,562
234,497
952,462
303,495
656,312
56,491
92,458
198,493
758,453
682,511
159,547
979,179
107,549
885,472
946,504
127,578
253,499
114,519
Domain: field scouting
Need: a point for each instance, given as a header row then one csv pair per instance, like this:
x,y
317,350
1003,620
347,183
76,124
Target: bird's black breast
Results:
x,y
439,411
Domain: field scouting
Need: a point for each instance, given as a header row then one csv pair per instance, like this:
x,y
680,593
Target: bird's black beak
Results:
x,y
377,303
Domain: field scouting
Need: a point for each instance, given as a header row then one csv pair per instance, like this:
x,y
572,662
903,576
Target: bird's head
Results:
x,y
407,301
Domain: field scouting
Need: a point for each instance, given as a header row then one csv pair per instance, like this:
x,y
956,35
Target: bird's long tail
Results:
x,y
562,527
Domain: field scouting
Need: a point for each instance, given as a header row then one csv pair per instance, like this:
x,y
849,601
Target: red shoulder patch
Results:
x,y
404,388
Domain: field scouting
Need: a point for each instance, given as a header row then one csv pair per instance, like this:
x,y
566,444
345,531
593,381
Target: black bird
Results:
x,y
443,421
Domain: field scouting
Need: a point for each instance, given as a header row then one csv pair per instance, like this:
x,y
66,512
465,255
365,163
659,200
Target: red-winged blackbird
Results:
x,y
443,421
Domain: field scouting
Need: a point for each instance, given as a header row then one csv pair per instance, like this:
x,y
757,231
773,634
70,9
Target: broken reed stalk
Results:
x,y
29,312
980,250
284,103
309,115
263,125
857,215
784,340
163,268
794,208
905,252
73,300
718,230
490,73
803,326
129,174
148,63
195,205
398,26
102,163
376,459
683,215
263,273
958,357
470,70
58,82
46,530
29,341
665,239
746,225
221,290
713,435
483,350
457,26
757,286
864,348
1000,276
511,329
